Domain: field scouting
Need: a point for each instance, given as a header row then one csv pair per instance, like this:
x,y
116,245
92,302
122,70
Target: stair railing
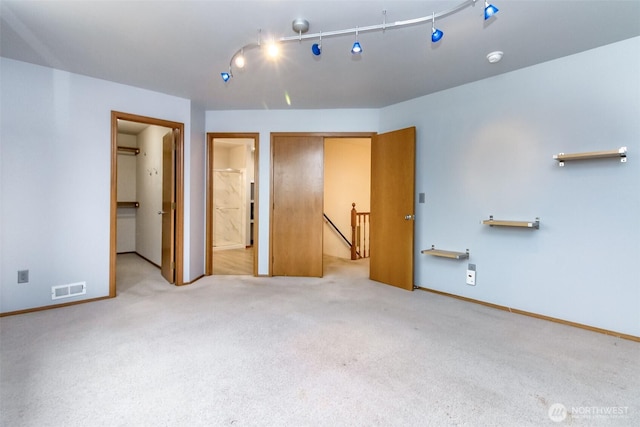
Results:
x,y
360,222
336,229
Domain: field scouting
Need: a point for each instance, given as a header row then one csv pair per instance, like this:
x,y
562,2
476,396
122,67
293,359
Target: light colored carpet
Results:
x,y
336,351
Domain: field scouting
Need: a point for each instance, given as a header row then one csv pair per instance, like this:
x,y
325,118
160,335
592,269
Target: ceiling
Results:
x,y
181,47
131,128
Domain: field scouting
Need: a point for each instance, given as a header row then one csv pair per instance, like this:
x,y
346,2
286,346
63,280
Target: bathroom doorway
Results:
x,y
231,204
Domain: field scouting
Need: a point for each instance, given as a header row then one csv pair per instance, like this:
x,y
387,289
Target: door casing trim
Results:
x,y
179,165
209,199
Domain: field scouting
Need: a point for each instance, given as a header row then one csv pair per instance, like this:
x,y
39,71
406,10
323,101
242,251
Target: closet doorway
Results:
x,y
232,194
301,208
147,219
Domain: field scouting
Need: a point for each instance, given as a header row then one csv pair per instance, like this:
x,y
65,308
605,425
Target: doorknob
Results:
x,y
410,217
161,212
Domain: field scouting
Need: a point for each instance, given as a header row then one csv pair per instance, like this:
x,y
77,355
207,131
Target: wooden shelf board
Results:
x,y
503,223
446,254
621,152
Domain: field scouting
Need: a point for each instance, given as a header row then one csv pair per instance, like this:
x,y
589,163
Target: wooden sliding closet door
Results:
x,y
297,205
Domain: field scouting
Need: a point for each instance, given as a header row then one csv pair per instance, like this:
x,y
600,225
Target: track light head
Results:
x,y
436,34
489,10
316,49
239,61
356,49
273,50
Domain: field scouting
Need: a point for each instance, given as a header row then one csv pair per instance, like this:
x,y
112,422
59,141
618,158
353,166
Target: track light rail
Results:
x,y
384,26
490,10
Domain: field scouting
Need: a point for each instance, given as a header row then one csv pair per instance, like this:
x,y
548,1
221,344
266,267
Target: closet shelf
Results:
x,y
130,150
446,254
128,204
620,152
505,223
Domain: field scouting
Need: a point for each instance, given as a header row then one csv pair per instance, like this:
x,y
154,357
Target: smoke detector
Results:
x,y
494,57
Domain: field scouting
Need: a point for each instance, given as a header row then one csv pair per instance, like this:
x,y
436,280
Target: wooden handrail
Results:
x,y
359,233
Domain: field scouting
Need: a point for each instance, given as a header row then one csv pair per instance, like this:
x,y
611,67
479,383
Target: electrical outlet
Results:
x,y
23,276
471,275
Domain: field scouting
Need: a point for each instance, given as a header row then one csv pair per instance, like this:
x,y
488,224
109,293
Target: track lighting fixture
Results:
x,y
436,34
301,26
489,10
356,49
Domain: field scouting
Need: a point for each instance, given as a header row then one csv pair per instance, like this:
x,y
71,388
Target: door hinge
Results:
x,y
172,265
173,205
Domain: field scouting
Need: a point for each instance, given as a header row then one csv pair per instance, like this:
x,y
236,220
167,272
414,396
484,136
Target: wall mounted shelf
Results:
x,y
446,254
129,150
620,153
128,204
505,223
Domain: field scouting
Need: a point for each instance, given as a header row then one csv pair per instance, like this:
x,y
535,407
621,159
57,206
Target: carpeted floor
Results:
x,y
336,351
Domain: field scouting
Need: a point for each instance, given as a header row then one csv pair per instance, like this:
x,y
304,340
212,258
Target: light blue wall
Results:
x,y
55,177
486,149
195,184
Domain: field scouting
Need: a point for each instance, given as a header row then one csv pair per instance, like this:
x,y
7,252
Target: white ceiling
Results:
x,y
181,47
131,128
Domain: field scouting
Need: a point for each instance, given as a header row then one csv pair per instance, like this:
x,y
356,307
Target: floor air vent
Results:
x,y
70,290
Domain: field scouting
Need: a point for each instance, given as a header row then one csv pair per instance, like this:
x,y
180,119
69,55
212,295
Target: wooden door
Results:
x,y
297,205
392,207
167,266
